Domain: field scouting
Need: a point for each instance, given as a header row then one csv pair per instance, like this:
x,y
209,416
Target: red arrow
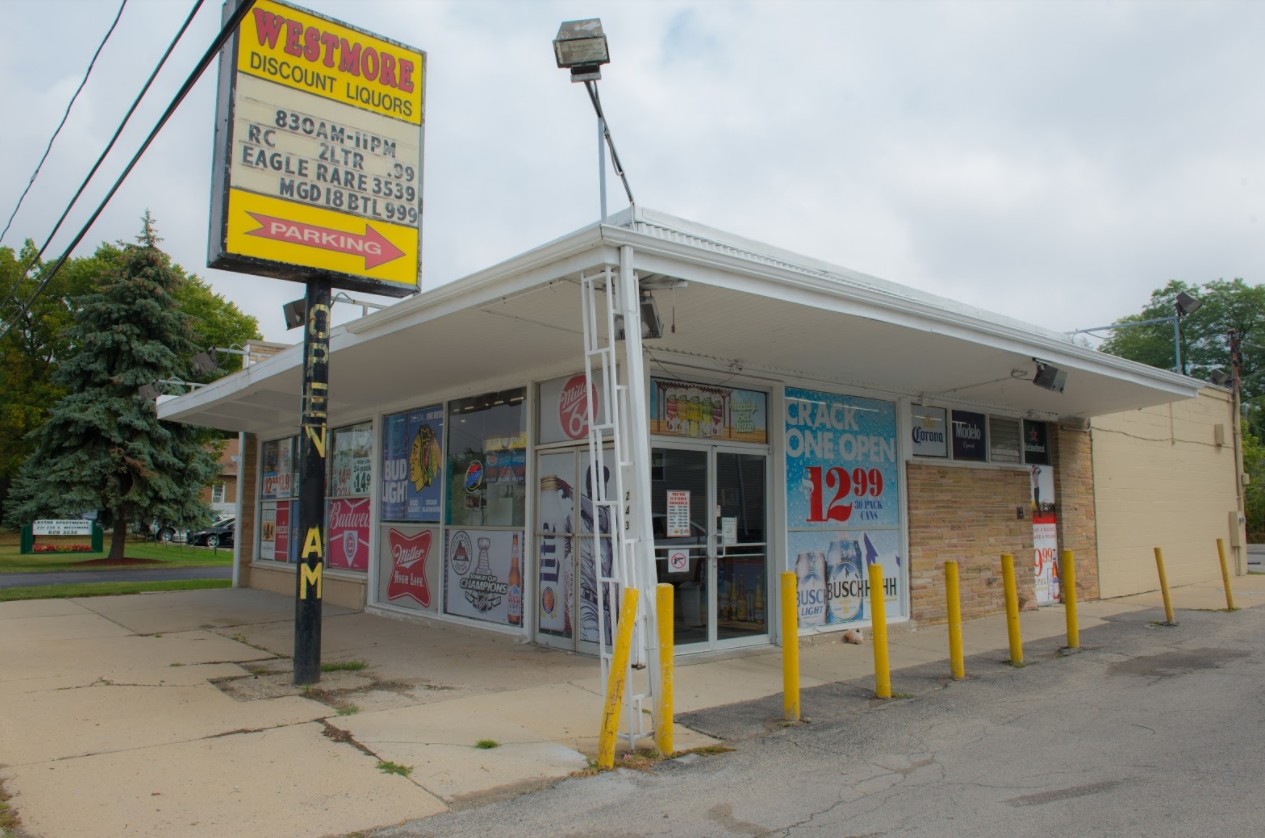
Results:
x,y
375,247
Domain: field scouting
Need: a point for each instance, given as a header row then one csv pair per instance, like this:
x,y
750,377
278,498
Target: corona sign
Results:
x,y
318,153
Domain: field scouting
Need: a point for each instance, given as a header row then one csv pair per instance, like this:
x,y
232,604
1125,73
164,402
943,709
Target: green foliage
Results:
x,y
101,447
1254,492
36,346
1227,306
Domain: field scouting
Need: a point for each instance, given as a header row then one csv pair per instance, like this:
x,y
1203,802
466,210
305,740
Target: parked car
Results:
x,y
160,531
219,534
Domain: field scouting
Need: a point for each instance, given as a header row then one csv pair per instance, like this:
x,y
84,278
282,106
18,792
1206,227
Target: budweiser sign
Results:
x,y
349,533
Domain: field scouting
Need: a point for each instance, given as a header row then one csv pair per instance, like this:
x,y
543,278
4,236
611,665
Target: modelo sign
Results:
x,y
318,153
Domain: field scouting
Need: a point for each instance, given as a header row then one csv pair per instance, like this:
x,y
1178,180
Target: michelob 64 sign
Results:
x,y
318,153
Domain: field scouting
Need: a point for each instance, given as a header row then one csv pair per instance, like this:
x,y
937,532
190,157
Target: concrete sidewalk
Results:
x,y
173,713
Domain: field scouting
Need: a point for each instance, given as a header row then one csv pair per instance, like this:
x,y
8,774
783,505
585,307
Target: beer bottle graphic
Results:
x,y
515,586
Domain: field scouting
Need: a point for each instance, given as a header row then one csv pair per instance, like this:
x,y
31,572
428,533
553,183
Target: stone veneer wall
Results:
x,y
967,514
1074,503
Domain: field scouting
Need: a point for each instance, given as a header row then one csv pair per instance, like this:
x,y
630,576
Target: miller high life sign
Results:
x,y
318,153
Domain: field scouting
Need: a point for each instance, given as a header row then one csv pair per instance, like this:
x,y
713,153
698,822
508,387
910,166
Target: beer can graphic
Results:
x,y
810,572
845,582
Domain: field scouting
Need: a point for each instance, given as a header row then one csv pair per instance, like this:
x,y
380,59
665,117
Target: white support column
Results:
x,y
637,480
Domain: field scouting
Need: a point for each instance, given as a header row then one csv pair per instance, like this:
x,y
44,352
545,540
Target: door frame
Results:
x,y
711,450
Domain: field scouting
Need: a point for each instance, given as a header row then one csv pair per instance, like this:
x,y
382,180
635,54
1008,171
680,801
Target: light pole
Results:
x,y
581,48
1184,305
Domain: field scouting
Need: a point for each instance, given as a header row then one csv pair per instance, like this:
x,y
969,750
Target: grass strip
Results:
x,y
85,589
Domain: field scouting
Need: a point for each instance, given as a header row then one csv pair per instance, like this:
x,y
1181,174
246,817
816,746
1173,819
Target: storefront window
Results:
x,y
280,486
350,477
487,460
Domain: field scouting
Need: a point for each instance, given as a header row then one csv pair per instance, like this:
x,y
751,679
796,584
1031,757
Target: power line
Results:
x,y
108,148
69,105
226,32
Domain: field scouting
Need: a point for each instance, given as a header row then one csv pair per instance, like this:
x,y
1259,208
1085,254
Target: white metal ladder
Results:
x,y
603,369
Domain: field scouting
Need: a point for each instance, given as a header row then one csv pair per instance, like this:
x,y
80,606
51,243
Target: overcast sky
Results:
x,y
1051,161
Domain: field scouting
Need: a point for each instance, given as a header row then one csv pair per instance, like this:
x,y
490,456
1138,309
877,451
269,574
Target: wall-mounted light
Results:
x,y
1049,377
651,325
295,313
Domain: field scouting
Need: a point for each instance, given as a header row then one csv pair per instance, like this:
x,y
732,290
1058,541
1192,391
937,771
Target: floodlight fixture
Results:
x,y
203,364
1186,304
651,324
1049,377
1220,377
581,48
295,313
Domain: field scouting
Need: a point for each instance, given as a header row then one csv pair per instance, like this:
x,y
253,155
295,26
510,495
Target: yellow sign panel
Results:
x,y
291,47
318,168
312,236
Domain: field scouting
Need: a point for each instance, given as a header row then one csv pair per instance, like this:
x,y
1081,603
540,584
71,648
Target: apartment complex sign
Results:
x,y
318,153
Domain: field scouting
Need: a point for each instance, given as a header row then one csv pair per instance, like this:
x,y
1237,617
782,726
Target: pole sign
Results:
x,y
318,153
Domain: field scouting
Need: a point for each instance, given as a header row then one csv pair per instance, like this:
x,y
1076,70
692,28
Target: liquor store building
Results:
x,y
771,413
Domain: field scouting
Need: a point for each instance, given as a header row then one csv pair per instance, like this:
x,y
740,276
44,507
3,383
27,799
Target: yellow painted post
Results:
x,y
1012,609
667,668
790,648
953,597
878,625
1168,601
616,681
1067,586
1225,575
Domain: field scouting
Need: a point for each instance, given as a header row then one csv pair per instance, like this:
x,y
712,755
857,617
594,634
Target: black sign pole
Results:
x,y
313,435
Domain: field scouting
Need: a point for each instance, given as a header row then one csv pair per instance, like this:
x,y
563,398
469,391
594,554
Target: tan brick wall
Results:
x,y
967,514
1161,480
1074,502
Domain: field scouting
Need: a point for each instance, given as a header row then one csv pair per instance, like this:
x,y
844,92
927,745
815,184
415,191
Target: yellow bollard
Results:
x,y
1225,575
1012,609
1168,601
1067,585
790,648
616,680
953,597
878,625
667,668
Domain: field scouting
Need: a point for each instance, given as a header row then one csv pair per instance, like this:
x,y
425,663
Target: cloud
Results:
x,y
1053,162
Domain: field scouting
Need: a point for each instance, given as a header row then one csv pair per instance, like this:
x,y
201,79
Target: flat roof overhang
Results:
x,y
759,313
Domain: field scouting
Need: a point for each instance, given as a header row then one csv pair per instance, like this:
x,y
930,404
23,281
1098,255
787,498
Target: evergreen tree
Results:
x,y
102,448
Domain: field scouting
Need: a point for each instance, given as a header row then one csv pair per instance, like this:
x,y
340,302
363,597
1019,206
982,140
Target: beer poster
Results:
x,y
348,533
284,549
556,557
408,567
1045,539
970,436
268,531
352,469
278,468
832,575
707,411
477,574
412,463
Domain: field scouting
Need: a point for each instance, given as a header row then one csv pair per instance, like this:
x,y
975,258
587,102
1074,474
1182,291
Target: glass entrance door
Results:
x,y
710,528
